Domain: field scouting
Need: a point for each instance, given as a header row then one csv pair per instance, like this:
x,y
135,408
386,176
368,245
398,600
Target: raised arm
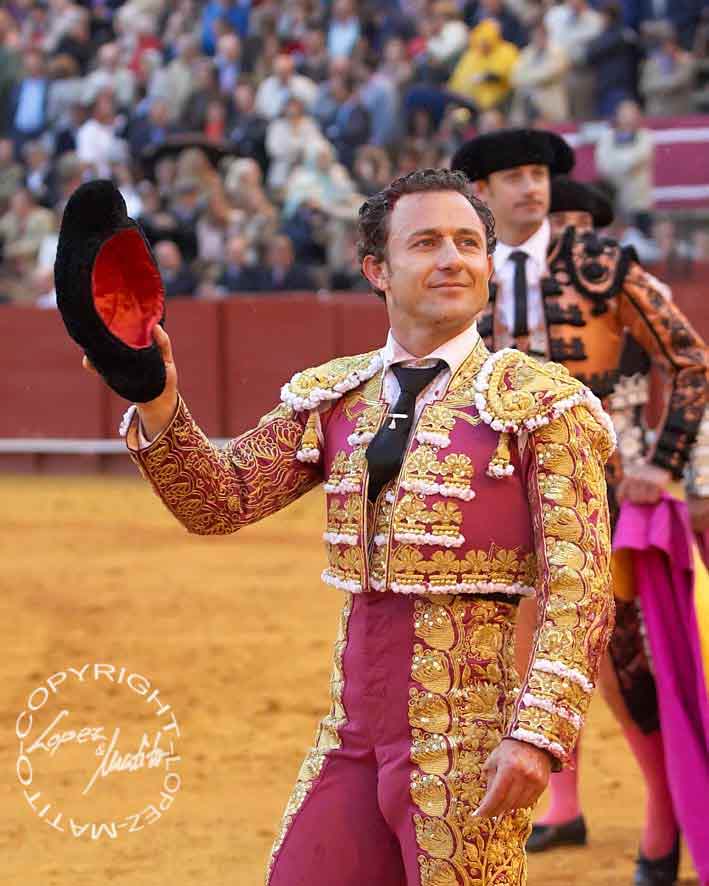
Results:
x,y
214,491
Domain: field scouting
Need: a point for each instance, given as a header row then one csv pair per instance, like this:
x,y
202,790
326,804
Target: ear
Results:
x,y
490,267
376,272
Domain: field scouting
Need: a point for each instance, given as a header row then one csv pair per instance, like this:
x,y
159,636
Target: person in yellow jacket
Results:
x,y
484,71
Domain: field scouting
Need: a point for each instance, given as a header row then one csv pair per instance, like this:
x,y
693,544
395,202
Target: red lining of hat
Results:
x,y
127,290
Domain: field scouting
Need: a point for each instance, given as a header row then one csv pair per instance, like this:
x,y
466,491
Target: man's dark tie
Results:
x,y
520,262
385,453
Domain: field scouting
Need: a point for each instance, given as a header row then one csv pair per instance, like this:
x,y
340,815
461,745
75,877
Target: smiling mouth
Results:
x,y
452,285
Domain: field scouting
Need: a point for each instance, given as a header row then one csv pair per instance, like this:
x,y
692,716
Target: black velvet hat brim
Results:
x,y
508,148
109,291
568,195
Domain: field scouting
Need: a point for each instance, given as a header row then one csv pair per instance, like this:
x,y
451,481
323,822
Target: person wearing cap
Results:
x,y
670,789
577,205
574,300
457,481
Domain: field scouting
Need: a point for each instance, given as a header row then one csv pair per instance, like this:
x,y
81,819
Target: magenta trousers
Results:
x,y
421,692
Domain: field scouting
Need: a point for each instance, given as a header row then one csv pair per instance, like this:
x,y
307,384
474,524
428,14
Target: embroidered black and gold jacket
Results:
x,y
596,295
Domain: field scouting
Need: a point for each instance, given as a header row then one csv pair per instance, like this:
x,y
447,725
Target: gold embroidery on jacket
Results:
x,y
459,706
573,540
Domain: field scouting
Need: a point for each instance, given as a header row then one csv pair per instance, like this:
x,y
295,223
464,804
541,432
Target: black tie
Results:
x,y
385,452
520,261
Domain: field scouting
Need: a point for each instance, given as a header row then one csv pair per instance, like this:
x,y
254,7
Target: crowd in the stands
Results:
x,y
245,135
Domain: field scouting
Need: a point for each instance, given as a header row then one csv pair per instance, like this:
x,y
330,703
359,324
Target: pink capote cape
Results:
x,y
666,565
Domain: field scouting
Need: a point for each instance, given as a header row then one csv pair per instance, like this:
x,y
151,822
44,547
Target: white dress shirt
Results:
x,y
536,248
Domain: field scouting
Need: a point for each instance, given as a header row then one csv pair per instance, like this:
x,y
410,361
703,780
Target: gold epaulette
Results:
x,y
312,387
515,394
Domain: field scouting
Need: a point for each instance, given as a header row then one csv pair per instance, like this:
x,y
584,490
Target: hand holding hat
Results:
x,y
110,293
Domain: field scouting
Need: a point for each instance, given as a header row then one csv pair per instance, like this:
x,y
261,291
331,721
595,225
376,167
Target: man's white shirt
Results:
x,y
536,248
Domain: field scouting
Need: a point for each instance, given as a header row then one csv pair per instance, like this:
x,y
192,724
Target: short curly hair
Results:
x,y
374,214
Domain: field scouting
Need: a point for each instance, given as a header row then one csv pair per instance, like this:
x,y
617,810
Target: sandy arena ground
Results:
x,y
236,635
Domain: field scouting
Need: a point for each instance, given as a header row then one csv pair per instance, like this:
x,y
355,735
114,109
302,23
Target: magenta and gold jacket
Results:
x,y
501,491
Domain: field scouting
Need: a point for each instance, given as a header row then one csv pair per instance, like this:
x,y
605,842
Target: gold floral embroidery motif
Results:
x,y
344,516
328,738
214,491
461,701
413,517
499,565
573,546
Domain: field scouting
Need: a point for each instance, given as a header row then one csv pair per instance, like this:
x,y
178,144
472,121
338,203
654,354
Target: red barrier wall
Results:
x,y
232,356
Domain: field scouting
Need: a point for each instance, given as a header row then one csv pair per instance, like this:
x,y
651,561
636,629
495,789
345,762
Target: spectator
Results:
x,y
683,15
218,222
66,90
28,108
76,42
350,127
206,90
110,73
177,277
313,59
511,27
667,77
326,103
68,176
228,62
286,140
539,79
372,170
324,186
247,128
97,141
174,83
572,25
186,206
624,156
151,131
218,13
396,65
237,274
38,172
275,90
24,226
281,273
380,97
613,57
10,64
447,38
244,188
344,30
215,121
64,15
483,73
11,173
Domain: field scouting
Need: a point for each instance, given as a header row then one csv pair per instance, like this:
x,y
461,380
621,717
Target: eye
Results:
x,y
425,241
469,242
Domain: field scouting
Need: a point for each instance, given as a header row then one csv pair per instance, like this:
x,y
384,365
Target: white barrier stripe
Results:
x,y
69,446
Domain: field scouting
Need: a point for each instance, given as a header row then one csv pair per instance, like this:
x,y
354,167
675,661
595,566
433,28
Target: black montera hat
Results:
x,y
109,291
568,195
507,148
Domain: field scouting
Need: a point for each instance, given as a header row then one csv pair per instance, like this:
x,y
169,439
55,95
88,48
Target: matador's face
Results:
x,y
437,267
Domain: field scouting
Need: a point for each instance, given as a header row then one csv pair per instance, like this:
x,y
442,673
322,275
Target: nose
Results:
x,y
448,255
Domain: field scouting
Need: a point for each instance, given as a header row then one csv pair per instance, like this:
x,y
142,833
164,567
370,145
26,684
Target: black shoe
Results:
x,y
546,836
657,871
